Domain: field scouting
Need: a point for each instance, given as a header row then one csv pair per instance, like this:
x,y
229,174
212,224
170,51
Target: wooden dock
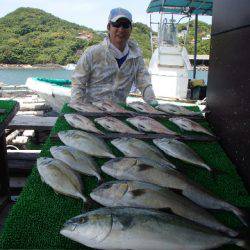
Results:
x,y
32,122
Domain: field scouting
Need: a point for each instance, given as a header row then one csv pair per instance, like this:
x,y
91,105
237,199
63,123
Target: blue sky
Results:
x,y
91,13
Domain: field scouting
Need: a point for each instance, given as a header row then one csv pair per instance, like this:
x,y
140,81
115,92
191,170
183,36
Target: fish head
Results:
x,y
119,141
88,229
178,120
57,150
42,161
109,192
118,166
165,141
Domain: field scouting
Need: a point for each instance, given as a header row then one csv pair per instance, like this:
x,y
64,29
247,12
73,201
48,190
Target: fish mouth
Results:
x,y
68,226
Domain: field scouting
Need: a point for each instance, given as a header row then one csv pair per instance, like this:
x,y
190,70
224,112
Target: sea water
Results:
x,y
18,76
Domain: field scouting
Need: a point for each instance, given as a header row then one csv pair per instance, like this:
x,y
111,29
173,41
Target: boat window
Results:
x,y
168,33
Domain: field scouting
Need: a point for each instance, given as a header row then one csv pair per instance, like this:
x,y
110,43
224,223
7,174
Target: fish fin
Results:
x,y
176,190
125,221
243,214
143,167
100,179
137,192
166,210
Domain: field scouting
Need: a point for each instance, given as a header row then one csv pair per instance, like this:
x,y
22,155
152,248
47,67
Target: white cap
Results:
x,y
118,13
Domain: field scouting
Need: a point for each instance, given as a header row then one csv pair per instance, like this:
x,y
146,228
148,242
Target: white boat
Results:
x,y
54,91
70,66
169,64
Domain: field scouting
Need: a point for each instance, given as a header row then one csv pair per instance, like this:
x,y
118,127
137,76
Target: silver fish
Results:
x,y
115,125
87,143
109,106
177,110
180,151
76,160
189,125
144,108
81,122
85,107
141,229
146,195
138,148
143,169
148,124
60,177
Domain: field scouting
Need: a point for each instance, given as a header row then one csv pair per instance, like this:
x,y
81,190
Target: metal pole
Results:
x,y
151,36
195,44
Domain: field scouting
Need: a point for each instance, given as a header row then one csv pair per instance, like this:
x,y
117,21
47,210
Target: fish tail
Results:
x,y
207,167
99,178
241,243
83,198
244,217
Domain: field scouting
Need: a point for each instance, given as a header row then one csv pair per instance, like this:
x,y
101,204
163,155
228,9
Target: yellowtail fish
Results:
x,y
85,142
60,177
141,229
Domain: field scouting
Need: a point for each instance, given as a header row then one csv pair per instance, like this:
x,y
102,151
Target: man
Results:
x,y
107,71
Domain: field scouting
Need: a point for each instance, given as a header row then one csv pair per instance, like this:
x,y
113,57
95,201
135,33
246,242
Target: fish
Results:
x,y
145,170
85,107
176,110
180,151
60,177
109,106
138,148
144,108
141,229
76,160
146,195
81,122
115,125
189,125
148,124
85,142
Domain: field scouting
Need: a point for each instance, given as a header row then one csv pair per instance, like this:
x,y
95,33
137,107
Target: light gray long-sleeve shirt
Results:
x,y
98,77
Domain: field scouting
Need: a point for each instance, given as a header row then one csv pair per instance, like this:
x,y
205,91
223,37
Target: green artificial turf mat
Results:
x,y
39,214
8,106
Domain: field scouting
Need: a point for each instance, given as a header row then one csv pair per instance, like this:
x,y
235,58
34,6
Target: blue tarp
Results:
x,y
192,7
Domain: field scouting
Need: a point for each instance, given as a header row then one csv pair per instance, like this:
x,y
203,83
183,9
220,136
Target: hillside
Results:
x,y
204,30
32,36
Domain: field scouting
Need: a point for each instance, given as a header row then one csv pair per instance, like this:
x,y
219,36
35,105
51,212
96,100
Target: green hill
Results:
x,y
204,30
32,36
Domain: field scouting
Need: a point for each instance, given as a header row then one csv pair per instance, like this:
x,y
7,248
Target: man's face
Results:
x,y
119,31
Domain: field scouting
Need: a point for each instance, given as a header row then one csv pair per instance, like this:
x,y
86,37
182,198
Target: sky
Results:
x,y
90,13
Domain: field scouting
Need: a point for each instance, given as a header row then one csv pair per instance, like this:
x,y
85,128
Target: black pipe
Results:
x,y
195,45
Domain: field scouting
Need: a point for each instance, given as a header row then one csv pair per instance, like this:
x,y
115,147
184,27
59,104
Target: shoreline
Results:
x,y
28,66
58,66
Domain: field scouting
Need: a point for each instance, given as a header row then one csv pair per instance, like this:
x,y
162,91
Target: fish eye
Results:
x,y
83,219
108,185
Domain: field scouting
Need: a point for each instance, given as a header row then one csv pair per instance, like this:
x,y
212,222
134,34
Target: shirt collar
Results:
x,y
134,50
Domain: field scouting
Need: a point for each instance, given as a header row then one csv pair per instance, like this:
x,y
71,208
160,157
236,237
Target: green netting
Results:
x,y
200,7
59,82
8,106
37,217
